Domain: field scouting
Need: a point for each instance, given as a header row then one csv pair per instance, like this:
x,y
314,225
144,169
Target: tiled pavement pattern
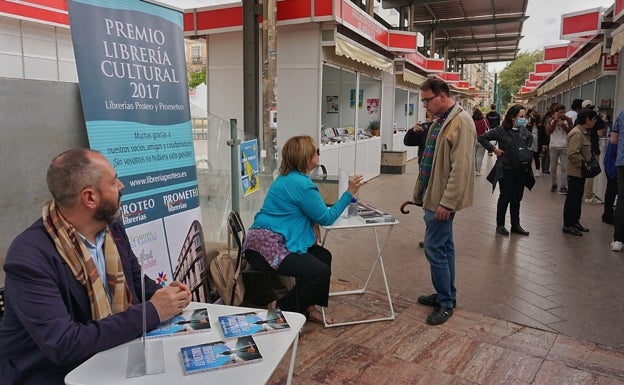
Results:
x,y
543,309
469,349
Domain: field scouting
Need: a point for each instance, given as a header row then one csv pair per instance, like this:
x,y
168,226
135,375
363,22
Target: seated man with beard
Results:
x,y
73,284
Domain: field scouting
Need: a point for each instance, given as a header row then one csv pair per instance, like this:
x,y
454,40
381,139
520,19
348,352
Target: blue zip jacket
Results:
x,y
292,206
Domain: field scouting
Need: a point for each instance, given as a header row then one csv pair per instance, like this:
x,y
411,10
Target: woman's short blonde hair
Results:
x,y
297,153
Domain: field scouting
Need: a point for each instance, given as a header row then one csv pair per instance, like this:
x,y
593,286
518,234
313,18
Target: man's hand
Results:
x,y
171,300
182,287
442,213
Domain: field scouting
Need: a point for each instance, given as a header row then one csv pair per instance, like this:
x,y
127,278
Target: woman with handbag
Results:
x,y
579,157
481,125
513,169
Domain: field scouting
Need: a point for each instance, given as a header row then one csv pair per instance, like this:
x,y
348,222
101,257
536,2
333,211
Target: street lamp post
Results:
x,y
497,94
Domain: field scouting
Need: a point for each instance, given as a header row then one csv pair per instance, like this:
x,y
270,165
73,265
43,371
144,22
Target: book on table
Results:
x,y
190,321
371,214
256,322
220,355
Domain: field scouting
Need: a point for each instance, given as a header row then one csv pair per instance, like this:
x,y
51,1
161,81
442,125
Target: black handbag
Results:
x,y
525,156
590,168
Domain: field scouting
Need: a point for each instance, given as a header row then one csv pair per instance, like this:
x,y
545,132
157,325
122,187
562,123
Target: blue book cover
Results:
x,y
190,321
220,355
258,322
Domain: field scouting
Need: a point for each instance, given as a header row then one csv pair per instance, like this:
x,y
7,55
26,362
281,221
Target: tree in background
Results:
x,y
196,78
514,75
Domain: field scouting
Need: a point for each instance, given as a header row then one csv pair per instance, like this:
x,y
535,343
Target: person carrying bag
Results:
x,y
590,168
581,165
512,170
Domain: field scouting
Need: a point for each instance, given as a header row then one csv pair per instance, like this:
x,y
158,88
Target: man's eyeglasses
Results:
x,y
426,101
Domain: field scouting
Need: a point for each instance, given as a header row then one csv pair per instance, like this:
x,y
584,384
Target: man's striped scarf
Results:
x,y
74,252
427,157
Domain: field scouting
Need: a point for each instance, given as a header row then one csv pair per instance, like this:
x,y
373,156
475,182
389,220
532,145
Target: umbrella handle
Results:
x,y
405,204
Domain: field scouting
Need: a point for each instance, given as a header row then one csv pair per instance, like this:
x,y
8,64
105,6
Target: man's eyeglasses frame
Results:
x,y
426,101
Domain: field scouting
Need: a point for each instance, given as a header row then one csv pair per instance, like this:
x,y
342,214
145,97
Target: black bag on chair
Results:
x,y
590,168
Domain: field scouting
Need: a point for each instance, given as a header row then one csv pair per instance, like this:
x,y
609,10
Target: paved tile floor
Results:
x,y
542,309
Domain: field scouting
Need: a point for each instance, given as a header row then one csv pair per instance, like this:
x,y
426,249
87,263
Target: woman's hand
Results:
x,y
354,184
498,152
317,232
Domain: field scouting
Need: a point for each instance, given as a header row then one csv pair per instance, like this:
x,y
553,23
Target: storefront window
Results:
x,y
407,108
340,101
369,116
400,106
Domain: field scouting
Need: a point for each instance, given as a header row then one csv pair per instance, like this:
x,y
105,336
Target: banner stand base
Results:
x,y
146,357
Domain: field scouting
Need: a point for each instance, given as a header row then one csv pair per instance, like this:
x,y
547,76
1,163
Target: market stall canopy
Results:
x,y
587,31
473,31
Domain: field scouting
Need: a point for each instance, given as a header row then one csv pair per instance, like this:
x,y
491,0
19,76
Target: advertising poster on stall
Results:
x,y
132,77
249,166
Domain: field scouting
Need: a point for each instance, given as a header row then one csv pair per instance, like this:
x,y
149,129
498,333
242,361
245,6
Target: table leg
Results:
x,y
293,357
378,260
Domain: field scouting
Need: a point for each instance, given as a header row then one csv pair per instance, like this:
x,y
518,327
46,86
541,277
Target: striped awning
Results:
x,y
363,55
618,40
414,78
558,80
588,60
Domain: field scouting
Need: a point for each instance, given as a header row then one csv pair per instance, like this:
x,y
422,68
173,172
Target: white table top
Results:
x,y
109,367
357,221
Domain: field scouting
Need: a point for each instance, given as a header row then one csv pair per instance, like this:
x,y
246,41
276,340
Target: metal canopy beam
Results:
x,y
471,42
489,60
468,23
484,52
465,25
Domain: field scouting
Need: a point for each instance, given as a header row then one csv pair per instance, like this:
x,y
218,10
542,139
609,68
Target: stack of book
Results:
x,y
190,321
371,214
220,355
238,347
257,322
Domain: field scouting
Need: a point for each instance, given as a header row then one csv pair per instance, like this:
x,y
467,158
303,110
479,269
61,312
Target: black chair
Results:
x,y
1,302
236,232
261,287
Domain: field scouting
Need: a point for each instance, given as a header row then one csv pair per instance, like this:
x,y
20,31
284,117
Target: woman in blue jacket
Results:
x,y
513,167
285,234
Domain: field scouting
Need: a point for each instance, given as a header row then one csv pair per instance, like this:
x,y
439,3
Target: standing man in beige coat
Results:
x,y
444,186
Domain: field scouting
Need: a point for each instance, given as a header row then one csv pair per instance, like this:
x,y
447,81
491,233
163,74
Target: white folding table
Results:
x,y
357,222
109,367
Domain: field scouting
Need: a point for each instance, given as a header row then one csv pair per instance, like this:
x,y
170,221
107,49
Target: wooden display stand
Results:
x,y
393,162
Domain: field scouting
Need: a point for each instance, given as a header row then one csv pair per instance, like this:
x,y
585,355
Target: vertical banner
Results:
x,y
249,166
132,73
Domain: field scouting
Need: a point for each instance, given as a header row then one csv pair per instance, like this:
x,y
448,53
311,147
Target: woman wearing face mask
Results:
x,y
513,166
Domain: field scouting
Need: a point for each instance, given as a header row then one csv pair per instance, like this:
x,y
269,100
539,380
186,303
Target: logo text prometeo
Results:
x,y
135,211
177,201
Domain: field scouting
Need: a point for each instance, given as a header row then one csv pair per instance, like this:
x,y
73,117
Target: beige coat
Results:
x,y
451,183
579,149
